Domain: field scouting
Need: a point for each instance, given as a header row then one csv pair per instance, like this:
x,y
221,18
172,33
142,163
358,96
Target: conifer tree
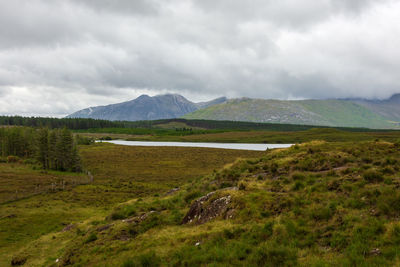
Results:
x,y
53,161
43,147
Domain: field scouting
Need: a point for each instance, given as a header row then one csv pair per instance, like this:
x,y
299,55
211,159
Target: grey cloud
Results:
x,y
138,7
60,56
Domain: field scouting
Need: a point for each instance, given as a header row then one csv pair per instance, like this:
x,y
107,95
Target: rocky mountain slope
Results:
x,y
145,108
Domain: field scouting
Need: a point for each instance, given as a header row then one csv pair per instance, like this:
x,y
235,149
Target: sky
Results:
x,y
60,56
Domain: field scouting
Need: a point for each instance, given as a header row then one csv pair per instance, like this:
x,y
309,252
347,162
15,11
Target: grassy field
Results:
x,y
31,226
21,181
324,134
315,204
332,199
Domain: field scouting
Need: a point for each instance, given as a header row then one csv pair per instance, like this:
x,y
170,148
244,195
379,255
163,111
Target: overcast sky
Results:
x,y
60,56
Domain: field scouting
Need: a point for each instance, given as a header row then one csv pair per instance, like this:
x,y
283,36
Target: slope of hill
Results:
x,y
343,113
145,108
389,108
315,204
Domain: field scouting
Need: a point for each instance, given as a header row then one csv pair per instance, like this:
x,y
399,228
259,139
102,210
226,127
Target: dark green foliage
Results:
x,y
151,221
92,237
297,185
53,149
242,186
70,123
373,176
297,176
149,260
57,150
323,213
275,255
389,202
191,196
123,212
83,140
128,263
17,141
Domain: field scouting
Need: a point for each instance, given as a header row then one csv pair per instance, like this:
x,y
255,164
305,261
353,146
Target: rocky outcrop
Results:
x,y
206,208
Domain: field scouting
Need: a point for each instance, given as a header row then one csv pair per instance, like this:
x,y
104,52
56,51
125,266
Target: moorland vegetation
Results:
x,y
331,199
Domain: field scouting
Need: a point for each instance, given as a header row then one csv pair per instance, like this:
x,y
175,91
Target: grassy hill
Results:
x,y
315,204
341,113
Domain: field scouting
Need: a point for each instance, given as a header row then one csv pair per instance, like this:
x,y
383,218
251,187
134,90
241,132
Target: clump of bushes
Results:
x,y
191,196
297,186
298,176
149,259
274,255
389,202
320,213
372,176
92,237
123,212
242,186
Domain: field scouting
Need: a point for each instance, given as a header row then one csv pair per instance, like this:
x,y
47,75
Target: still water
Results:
x,y
257,147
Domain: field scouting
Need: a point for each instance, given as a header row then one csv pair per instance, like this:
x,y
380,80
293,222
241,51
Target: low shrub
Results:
x,y
92,237
372,176
298,176
123,212
191,196
389,202
274,255
320,213
149,260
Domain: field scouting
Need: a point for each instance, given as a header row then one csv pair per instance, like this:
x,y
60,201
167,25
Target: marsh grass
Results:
x,y
29,222
338,207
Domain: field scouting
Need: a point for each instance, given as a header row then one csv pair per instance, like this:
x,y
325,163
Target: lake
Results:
x,y
256,147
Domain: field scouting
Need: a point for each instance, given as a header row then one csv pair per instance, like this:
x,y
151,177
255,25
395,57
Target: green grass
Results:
x,y
315,204
30,226
339,113
336,216
346,113
329,135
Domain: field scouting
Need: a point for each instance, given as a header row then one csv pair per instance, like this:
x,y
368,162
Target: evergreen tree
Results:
x,y
53,161
53,149
43,147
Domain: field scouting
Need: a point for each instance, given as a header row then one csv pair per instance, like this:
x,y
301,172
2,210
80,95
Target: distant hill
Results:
x,y
389,108
379,114
335,112
145,108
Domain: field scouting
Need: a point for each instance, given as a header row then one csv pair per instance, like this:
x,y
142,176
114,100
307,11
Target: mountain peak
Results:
x,y
145,107
395,98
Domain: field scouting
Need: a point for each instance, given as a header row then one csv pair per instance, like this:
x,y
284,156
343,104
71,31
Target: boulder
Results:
x,y
204,209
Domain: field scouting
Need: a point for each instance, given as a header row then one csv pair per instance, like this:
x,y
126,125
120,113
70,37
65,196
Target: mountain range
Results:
x,y
146,108
331,112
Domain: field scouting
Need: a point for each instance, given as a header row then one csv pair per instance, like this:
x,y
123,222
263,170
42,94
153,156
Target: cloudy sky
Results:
x,y
60,56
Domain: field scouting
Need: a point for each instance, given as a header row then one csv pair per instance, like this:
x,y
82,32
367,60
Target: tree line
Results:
x,y
54,149
53,123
